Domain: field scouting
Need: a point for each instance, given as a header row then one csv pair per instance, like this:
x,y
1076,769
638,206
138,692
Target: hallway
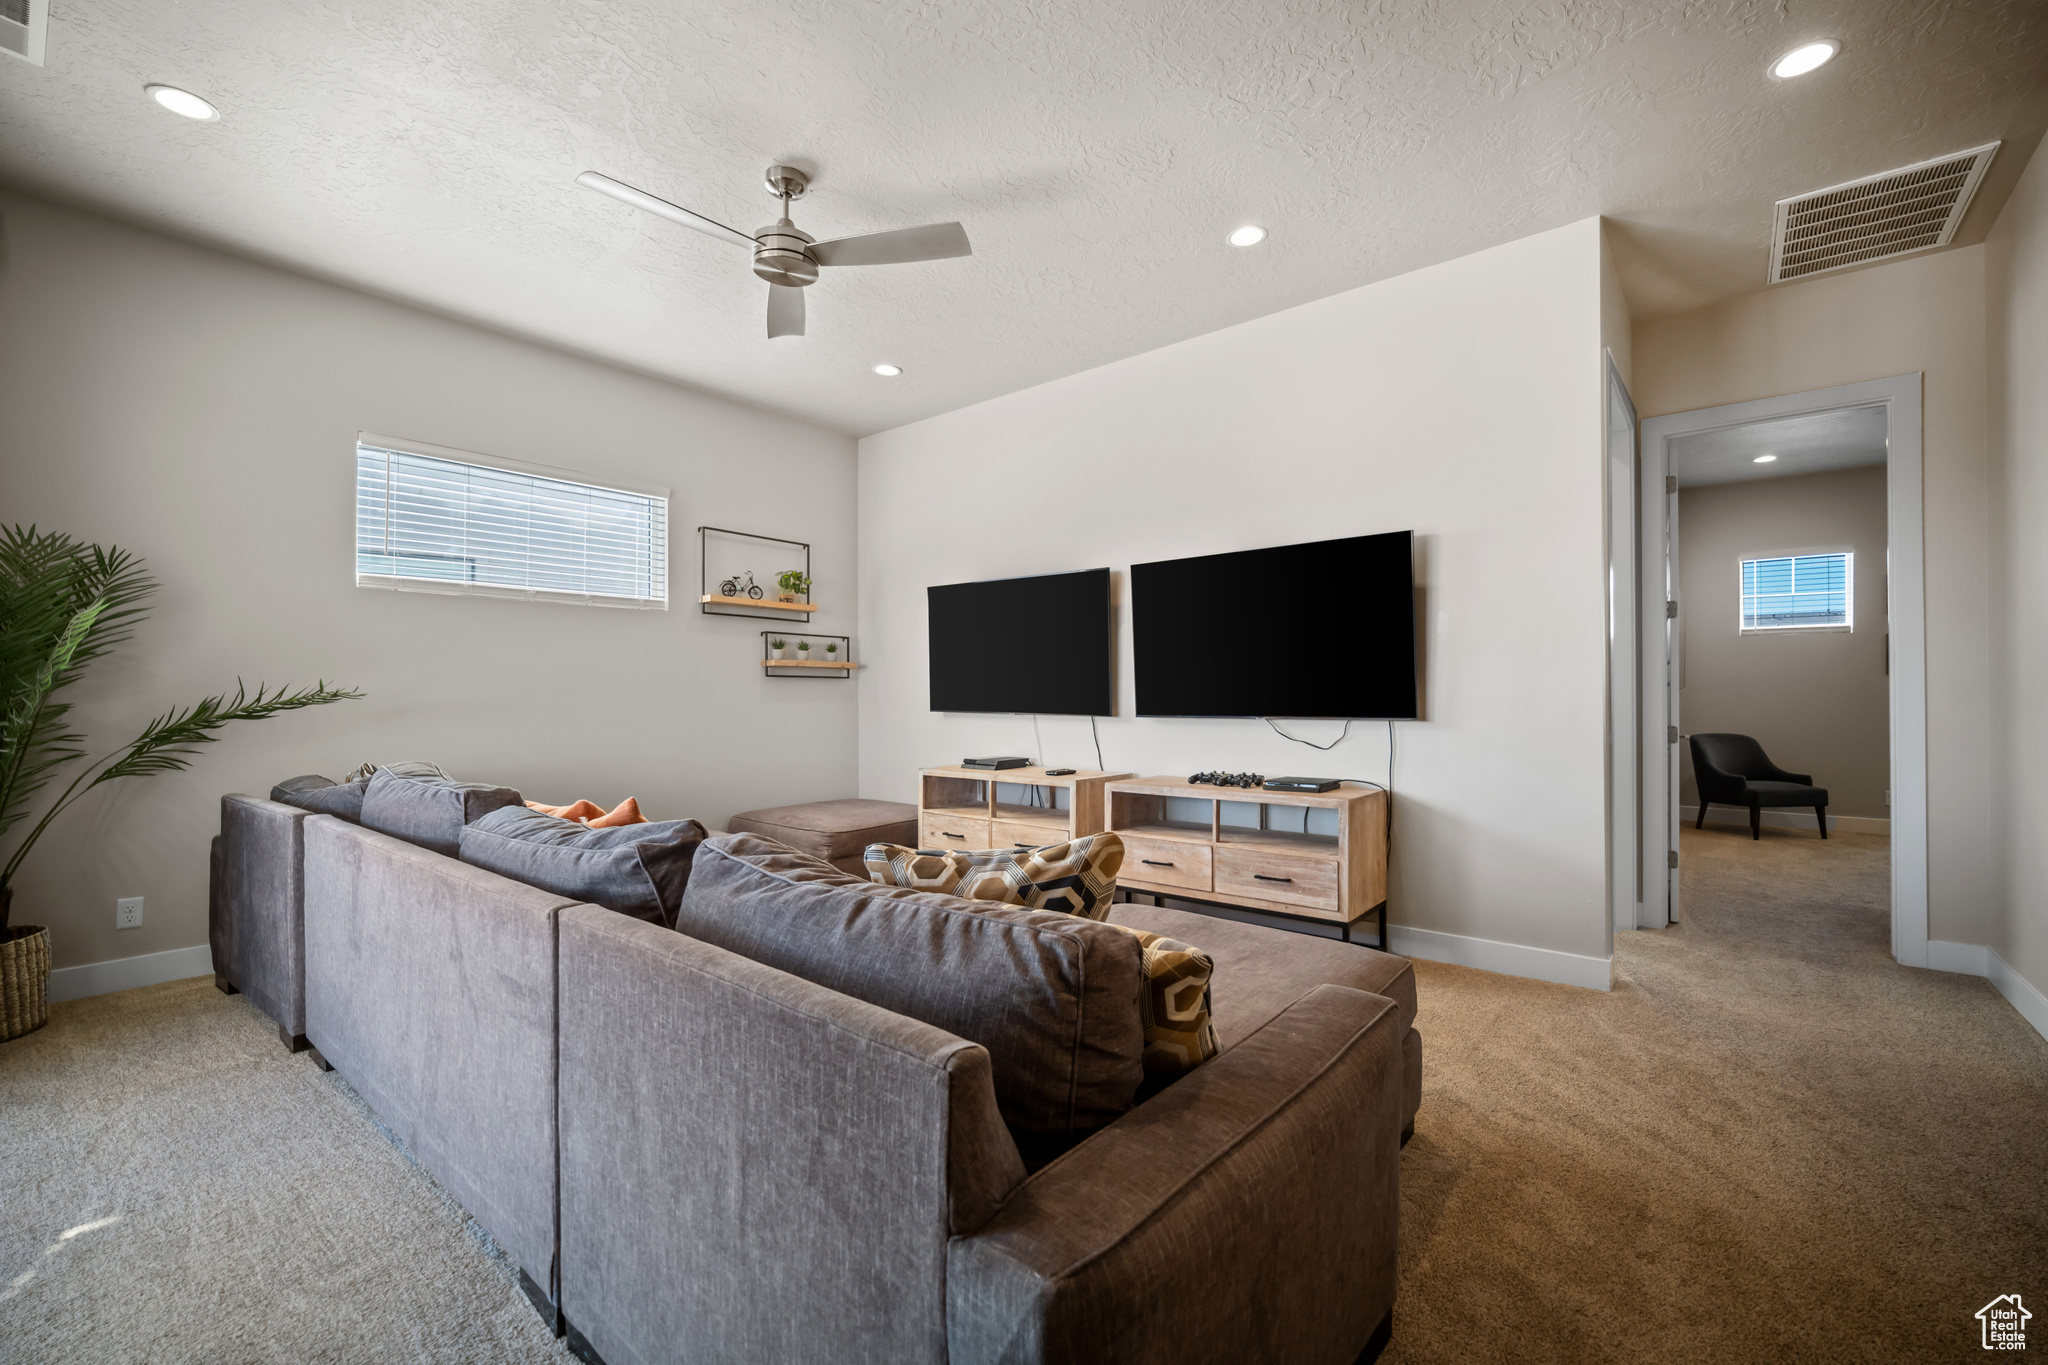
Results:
x,y
1768,1142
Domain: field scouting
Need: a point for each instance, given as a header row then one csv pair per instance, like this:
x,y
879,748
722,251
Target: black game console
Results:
x,y
1303,784
995,763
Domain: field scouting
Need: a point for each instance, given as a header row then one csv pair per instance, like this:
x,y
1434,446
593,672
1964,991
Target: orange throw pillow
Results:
x,y
627,812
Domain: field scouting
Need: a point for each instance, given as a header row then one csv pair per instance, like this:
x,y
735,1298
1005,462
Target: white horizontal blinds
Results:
x,y
1794,592
442,525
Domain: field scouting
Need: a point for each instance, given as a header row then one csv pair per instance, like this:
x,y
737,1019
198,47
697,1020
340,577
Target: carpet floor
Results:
x,y
1768,1142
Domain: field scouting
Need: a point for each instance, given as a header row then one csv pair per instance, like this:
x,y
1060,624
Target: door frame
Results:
x,y
1906,607
1624,733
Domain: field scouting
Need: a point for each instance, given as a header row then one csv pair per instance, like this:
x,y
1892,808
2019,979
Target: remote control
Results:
x,y
1057,772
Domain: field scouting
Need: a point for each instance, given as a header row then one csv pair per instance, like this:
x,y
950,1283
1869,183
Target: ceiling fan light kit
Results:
x,y
786,256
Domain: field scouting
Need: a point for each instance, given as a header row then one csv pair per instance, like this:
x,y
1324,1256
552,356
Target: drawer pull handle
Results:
x,y
949,834
1260,876
1021,844
1150,863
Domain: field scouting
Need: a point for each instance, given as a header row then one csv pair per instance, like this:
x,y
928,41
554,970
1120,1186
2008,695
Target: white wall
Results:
x,y
1464,401
1818,701
202,411
1924,314
2017,261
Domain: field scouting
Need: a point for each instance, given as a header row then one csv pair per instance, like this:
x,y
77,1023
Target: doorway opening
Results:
x,y
1782,666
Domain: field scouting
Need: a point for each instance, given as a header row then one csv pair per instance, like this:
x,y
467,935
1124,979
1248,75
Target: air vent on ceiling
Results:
x,y
1880,216
22,25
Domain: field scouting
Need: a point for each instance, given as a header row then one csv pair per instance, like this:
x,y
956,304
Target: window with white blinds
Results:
x,y
435,520
1799,592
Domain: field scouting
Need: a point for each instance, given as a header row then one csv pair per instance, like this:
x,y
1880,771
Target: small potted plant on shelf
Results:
x,y
803,651
831,651
775,648
791,582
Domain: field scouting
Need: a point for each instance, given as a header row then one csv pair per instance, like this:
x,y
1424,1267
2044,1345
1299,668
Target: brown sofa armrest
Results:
x,y
1249,1212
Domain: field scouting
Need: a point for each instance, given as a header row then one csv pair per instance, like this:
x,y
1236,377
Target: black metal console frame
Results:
x,y
1258,914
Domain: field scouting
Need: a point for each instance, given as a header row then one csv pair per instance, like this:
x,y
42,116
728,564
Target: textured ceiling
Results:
x,y
1096,153
1814,444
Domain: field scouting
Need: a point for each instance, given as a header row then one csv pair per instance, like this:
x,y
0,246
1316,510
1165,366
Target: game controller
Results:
x,y
1221,779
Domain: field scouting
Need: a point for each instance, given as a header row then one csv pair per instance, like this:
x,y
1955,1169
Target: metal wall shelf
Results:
x,y
816,666
743,603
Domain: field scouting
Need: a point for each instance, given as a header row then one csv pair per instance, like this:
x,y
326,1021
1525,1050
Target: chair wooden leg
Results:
x,y
1701,823
1756,822
1820,813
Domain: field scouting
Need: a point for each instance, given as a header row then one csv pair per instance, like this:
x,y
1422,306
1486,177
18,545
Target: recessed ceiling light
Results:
x,y
1248,235
182,102
1763,459
1801,60
888,371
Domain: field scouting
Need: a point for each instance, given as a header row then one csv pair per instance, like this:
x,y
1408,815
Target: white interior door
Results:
x,y
1674,683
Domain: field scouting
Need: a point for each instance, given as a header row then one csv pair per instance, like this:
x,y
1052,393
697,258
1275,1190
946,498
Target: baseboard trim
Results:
x,y
126,973
1509,959
1974,959
1788,819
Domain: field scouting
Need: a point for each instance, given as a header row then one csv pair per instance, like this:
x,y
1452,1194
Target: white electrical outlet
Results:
x,y
128,912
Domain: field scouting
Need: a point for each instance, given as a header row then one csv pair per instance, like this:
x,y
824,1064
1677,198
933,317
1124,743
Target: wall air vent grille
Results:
x,y
1880,216
22,25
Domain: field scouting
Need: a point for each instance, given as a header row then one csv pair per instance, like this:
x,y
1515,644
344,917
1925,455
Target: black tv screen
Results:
x,y
1036,645
1323,630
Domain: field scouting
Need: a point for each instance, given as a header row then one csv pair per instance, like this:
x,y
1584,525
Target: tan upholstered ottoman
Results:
x,y
837,831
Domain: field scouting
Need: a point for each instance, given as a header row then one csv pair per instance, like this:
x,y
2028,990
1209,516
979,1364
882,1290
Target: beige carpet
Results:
x,y
179,1188
1767,1143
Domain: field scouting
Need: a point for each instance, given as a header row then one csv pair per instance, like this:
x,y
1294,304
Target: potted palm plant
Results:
x,y
63,604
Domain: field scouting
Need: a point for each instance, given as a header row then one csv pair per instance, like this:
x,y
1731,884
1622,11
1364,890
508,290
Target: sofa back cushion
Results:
x,y
639,870
323,796
429,811
1054,999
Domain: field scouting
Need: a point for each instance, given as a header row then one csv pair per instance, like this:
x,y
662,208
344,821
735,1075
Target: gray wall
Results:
x,y
202,410
1818,702
2017,268
1464,402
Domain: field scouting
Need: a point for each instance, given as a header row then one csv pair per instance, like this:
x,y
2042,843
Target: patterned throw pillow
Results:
x,y
1077,877
1178,1034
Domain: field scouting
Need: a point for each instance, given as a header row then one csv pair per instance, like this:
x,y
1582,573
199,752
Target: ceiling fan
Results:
x,y
788,257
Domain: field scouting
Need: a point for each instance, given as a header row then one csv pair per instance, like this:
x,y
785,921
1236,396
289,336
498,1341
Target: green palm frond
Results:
x,y
64,604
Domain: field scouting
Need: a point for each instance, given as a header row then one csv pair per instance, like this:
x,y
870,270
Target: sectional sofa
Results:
x,y
745,1137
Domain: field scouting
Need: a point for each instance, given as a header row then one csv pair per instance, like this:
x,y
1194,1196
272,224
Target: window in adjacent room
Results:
x,y
1799,592
435,520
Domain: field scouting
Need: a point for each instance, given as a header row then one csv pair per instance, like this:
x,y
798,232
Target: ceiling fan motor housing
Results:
x,y
784,255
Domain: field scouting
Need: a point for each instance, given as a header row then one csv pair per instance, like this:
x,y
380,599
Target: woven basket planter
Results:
x,y
24,980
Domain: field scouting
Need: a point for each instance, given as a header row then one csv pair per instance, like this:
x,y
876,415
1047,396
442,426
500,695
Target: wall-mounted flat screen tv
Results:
x,y
1323,630
1033,645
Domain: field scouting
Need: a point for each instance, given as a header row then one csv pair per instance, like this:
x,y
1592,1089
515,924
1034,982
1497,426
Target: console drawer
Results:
x,y
1309,882
1167,862
951,831
1010,833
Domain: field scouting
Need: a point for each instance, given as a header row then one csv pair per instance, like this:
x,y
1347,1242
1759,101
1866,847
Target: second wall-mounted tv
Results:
x,y
1323,630
1038,646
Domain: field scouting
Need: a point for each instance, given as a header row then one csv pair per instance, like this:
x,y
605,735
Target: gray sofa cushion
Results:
x,y
429,811
638,870
1054,999
323,796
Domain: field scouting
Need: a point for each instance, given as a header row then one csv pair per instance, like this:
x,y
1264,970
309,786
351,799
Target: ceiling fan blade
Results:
x,y
785,311
932,242
641,199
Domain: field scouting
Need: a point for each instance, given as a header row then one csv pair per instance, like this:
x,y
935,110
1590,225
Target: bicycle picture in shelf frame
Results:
x,y
742,585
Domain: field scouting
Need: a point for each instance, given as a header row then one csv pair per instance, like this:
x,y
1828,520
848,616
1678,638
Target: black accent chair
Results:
x,y
1733,770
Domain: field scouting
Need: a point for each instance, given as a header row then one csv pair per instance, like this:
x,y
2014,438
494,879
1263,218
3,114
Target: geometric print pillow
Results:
x,y
1077,877
1175,1006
